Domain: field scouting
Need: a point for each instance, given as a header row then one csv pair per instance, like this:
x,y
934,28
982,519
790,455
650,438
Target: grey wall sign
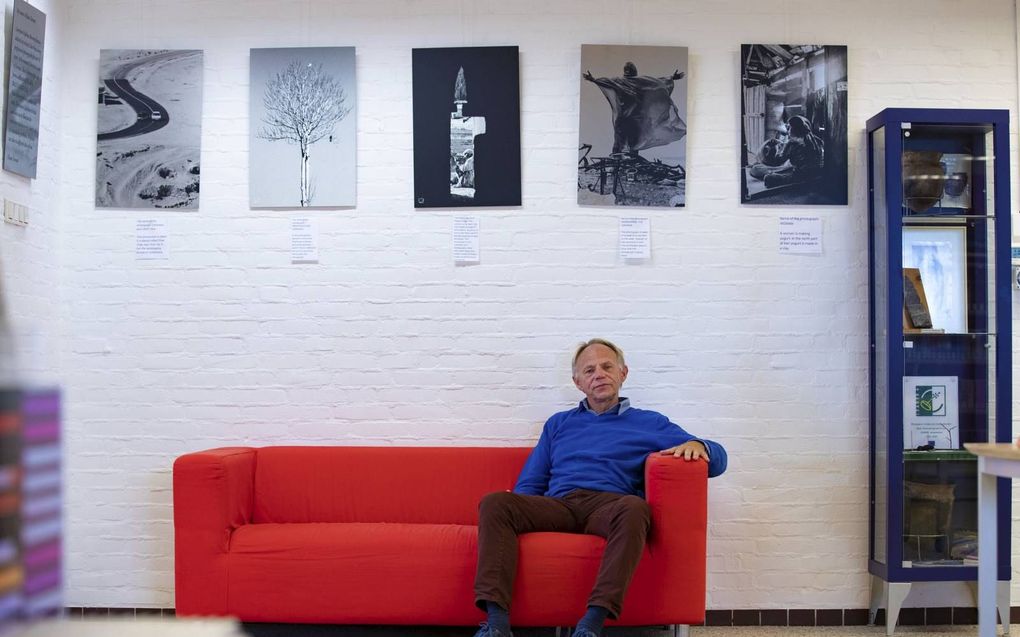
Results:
x,y
24,90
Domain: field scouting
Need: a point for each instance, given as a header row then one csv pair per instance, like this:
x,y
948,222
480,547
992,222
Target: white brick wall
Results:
x,y
385,342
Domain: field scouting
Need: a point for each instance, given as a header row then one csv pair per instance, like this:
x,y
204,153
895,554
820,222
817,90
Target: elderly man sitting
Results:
x,y
585,475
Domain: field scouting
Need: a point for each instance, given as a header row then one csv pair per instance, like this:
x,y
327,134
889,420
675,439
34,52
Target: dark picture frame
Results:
x,y
793,131
467,127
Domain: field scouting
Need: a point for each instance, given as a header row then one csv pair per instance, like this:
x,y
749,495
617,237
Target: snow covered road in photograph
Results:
x,y
149,129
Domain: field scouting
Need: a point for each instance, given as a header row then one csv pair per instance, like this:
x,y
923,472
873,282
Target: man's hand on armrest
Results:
x,y
690,450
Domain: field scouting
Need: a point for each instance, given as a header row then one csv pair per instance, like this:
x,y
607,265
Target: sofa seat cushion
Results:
x,y
352,573
355,573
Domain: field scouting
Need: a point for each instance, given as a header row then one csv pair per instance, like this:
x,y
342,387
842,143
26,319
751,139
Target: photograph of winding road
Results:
x,y
149,129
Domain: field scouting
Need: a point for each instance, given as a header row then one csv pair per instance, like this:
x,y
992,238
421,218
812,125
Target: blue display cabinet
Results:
x,y
939,292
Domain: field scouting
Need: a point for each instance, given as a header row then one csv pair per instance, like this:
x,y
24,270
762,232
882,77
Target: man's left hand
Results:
x,y
690,450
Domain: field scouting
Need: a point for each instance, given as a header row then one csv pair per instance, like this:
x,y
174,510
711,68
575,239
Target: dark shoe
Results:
x,y
584,632
485,631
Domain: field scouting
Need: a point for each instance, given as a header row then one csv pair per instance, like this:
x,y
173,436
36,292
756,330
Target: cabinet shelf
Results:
x,y
939,455
942,218
910,335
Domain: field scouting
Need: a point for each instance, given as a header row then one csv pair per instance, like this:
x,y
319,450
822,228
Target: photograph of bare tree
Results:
x,y
149,129
302,130
467,127
794,124
632,147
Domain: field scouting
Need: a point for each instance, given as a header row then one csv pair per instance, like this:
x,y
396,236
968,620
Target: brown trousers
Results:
x,y
623,520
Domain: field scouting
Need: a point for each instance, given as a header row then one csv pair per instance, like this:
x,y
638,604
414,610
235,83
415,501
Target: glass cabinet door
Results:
x,y
878,244
948,346
939,305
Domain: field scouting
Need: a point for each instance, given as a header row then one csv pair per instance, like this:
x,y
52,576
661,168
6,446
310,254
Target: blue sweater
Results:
x,y
581,450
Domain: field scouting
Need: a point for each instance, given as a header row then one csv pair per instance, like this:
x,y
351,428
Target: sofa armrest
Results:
x,y
213,493
677,494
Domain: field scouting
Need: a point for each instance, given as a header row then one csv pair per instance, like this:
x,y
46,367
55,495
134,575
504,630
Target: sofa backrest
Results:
x,y
438,485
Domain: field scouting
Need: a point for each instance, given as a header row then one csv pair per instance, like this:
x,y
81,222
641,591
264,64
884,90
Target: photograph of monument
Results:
x,y
467,135
632,147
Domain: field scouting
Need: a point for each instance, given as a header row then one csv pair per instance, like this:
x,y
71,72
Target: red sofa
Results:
x,y
388,535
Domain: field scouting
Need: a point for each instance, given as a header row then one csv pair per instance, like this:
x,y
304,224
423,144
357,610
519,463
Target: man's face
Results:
x,y
599,375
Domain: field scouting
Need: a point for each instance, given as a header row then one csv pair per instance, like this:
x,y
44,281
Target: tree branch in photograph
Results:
x,y
303,105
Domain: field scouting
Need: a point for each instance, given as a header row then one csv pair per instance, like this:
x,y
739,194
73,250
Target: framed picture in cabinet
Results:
x,y
939,253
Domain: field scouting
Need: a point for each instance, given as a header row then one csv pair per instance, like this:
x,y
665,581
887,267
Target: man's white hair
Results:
x,y
589,343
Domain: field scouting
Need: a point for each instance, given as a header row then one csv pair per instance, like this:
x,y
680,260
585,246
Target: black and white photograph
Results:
x,y
633,126
467,127
149,129
302,128
794,124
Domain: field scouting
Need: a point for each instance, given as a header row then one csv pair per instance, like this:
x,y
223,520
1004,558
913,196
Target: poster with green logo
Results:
x,y
931,412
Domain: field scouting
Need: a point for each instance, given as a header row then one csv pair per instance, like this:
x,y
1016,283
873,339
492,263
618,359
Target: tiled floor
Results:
x,y
289,630
833,631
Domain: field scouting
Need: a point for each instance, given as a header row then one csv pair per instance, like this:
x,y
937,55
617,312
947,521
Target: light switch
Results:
x,y
15,213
